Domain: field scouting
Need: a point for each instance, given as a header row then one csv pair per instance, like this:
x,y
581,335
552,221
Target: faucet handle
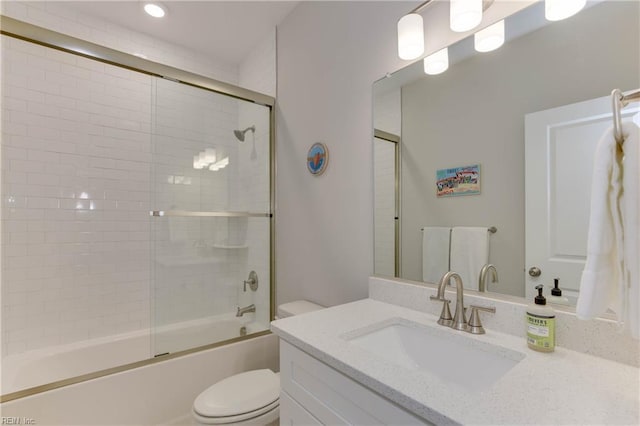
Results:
x,y
475,326
445,315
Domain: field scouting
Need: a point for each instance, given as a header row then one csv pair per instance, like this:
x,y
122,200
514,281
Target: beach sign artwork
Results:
x,y
317,158
458,181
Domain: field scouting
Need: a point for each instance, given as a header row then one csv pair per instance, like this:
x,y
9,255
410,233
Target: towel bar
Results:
x,y
491,229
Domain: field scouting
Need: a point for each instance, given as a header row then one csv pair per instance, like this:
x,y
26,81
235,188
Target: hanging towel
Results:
x,y
469,252
631,224
435,252
602,284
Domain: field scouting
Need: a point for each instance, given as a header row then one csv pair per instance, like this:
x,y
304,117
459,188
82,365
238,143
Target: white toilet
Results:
x,y
249,398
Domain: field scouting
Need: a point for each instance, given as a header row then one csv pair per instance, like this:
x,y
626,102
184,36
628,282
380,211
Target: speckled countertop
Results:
x,y
563,387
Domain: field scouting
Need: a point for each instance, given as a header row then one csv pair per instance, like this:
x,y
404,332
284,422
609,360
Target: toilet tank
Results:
x,y
296,308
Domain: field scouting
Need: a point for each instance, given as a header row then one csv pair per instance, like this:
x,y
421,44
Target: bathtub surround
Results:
x,y
108,160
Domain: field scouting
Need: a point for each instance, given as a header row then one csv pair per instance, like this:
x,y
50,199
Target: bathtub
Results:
x,y
160,393
52,364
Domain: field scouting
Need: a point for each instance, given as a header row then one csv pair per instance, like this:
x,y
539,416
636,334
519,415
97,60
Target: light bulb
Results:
x,y
410,36
437,63
489,38
557,10
155,10
465,15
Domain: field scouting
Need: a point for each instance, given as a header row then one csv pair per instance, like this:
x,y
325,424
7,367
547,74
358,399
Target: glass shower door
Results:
x,y
211,211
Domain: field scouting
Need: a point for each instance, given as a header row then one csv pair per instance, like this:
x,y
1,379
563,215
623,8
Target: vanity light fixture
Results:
x,y
464,15
557,10
437,62
489,38
155,9
410,36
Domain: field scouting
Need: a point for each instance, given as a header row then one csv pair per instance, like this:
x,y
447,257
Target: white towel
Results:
x,y
435,253
631,224
602,283
469,252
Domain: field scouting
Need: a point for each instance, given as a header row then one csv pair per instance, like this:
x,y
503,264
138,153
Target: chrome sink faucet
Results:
x,y
459,321
241,311
482,281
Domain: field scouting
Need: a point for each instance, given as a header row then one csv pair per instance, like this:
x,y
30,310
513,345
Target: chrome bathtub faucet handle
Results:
x,y
252,281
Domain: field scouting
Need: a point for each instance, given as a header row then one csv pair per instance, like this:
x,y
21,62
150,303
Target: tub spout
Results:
x,y
241,311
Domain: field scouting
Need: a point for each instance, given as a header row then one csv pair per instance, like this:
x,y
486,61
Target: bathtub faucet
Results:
x,y
246,309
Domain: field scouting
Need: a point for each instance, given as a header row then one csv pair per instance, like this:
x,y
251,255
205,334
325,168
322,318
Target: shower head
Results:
x,y
240,133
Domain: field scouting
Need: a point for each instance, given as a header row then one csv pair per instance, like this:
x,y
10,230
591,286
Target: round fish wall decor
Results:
x,y
317,158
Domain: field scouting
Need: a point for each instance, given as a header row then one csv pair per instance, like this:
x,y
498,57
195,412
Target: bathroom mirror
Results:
x,y
550,80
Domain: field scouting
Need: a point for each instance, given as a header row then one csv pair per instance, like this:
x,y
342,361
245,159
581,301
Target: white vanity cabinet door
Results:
x,y
329,397
292,413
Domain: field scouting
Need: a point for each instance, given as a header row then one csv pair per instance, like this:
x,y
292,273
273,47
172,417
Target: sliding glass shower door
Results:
x,y
211,217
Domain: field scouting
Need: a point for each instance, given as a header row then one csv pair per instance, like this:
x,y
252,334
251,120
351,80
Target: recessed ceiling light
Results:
x,y
155,9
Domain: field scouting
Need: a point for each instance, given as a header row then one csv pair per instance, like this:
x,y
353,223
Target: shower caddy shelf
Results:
x,y
188,213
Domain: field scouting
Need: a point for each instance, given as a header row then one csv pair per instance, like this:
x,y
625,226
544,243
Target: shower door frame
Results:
x,y
34,34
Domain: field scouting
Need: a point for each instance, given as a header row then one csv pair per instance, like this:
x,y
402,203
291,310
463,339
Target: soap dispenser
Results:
x,y
541,324
556,294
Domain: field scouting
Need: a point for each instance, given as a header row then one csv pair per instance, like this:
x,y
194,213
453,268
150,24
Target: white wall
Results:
x,y
329,54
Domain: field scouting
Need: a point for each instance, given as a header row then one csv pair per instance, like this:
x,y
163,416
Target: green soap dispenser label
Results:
x,y
541,331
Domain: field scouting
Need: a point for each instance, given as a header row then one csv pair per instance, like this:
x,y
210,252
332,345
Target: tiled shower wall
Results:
x,y
76,153
96,283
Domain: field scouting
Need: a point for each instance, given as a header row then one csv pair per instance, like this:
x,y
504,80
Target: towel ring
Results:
x,y
618,101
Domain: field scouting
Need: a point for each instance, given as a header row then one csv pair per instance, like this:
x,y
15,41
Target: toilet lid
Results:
x,y
239,394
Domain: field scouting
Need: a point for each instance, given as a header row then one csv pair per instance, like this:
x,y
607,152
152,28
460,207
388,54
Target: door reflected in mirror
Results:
x,y
530,114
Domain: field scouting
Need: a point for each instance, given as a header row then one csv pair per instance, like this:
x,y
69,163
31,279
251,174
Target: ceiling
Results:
x,y
225,30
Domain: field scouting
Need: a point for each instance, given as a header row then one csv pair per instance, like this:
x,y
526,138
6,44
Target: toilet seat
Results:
x,y
265,412
239,398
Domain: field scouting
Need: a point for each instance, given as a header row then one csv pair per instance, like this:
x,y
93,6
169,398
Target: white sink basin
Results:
x,y
448,354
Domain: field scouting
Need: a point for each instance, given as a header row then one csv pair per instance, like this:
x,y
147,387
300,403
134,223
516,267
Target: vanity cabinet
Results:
x,y
314,393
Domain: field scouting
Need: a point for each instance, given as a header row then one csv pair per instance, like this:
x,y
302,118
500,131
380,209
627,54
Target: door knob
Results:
x,y
535,271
